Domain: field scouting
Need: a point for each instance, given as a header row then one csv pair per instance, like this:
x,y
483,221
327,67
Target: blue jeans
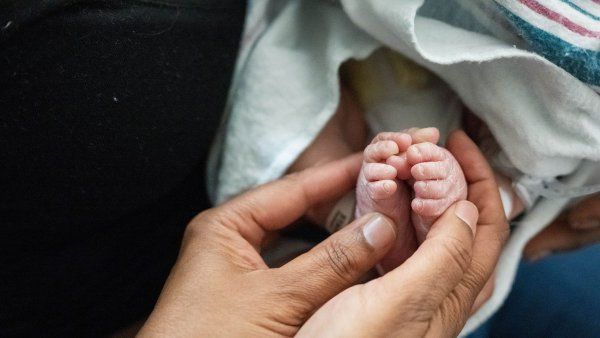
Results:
x,y
558,296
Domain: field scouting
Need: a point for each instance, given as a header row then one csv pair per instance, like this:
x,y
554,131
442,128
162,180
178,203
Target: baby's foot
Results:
x,y
438,183
379,190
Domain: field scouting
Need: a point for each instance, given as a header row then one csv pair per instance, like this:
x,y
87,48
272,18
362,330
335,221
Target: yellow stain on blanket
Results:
x,y
383,72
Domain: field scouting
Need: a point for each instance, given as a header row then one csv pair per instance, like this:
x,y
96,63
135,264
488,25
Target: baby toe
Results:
x,y
425,152
380,190
380,151
400,163
429,171
434,189
429,207
379,171
403,140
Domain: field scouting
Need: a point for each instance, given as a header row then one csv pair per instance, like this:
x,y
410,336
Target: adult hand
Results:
x,y
221,286
575,228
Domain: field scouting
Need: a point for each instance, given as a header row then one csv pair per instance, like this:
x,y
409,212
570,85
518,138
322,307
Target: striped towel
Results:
x,y
566,32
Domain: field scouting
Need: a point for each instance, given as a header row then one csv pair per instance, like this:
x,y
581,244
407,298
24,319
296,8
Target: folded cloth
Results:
x,y
546,121
566,32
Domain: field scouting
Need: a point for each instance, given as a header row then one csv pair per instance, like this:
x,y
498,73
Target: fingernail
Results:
x,y
468,213
379,232
540,255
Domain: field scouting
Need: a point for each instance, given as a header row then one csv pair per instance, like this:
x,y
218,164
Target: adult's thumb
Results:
x,y
339,261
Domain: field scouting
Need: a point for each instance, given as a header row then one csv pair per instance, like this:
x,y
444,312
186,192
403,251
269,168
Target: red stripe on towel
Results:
x,y
557,17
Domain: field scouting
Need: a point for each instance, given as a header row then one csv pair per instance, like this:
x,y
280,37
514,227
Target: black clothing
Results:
x,y
107,111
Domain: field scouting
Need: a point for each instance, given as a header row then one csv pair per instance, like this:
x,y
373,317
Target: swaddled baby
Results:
x,y
405,175
501,59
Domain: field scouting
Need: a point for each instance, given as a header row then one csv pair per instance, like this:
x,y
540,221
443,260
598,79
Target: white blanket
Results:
x,y
286,88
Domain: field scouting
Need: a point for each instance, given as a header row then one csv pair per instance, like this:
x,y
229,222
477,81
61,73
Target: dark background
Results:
x,y
107,112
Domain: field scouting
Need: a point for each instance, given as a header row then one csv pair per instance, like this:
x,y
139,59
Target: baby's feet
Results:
x,y
438,183
437,180
379,190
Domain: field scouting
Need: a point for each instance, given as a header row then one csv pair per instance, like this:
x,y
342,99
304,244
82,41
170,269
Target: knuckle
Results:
x,y
421,307
290,182
292,293
457,252
471,284
503,235
452,307
339,259
478,274
454,312
418,309
202,223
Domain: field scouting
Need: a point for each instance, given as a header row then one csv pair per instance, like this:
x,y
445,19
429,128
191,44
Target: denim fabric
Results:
x,y
558,296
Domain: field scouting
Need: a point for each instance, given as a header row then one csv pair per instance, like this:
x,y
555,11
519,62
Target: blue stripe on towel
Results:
x,y
581,10
582,63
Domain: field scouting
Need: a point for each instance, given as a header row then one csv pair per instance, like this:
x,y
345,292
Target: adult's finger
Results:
x,y
586,214
338,262
559,236
438,265
492,227
484,294
279,203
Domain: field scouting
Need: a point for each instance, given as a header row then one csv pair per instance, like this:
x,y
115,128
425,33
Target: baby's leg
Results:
x,y
438,183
